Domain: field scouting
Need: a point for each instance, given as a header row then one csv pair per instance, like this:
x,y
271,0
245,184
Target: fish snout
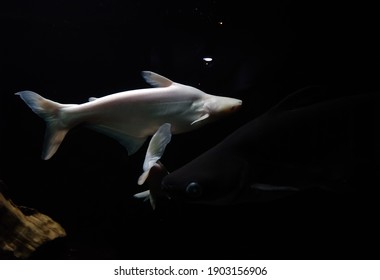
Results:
x,y
169,191
237,106
232,106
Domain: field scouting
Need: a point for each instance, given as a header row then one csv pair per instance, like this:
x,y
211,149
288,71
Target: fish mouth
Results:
x,y
162,194
235,107
154,180
167,198
192,191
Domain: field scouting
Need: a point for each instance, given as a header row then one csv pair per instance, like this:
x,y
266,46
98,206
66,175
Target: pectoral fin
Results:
x,y
156,149
275,188
261,192
203,117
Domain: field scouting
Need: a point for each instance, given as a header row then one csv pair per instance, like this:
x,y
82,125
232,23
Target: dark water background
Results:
x,y
264,50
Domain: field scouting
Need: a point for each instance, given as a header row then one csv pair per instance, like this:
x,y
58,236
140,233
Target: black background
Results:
x,y
68,51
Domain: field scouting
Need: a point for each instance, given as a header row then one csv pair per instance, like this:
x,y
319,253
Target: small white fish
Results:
x,y
132,116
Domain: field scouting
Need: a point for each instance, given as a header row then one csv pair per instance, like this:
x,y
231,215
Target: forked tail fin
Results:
x,y
49,111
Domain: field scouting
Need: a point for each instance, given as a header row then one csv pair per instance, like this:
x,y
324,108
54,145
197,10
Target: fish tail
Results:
x,y
50,112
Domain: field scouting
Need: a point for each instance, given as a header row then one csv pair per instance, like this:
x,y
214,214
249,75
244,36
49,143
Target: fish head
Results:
x,y
220,106
205,180
219,180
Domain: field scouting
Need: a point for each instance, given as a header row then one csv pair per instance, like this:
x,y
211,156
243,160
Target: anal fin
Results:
x,y
130,143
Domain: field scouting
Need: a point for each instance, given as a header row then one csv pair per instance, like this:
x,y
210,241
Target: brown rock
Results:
x,y
23,229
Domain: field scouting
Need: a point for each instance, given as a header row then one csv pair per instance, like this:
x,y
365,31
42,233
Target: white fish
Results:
x,y
132,116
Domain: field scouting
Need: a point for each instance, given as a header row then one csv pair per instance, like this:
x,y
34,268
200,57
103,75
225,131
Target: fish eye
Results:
x,y
194,190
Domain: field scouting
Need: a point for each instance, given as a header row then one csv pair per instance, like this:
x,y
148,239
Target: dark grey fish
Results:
x,y
309,140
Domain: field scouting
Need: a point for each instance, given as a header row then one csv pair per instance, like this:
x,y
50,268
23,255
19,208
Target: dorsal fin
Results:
x,y
156,80
301,98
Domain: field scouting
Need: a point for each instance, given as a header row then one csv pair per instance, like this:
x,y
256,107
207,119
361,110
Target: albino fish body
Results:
x,y
132,116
